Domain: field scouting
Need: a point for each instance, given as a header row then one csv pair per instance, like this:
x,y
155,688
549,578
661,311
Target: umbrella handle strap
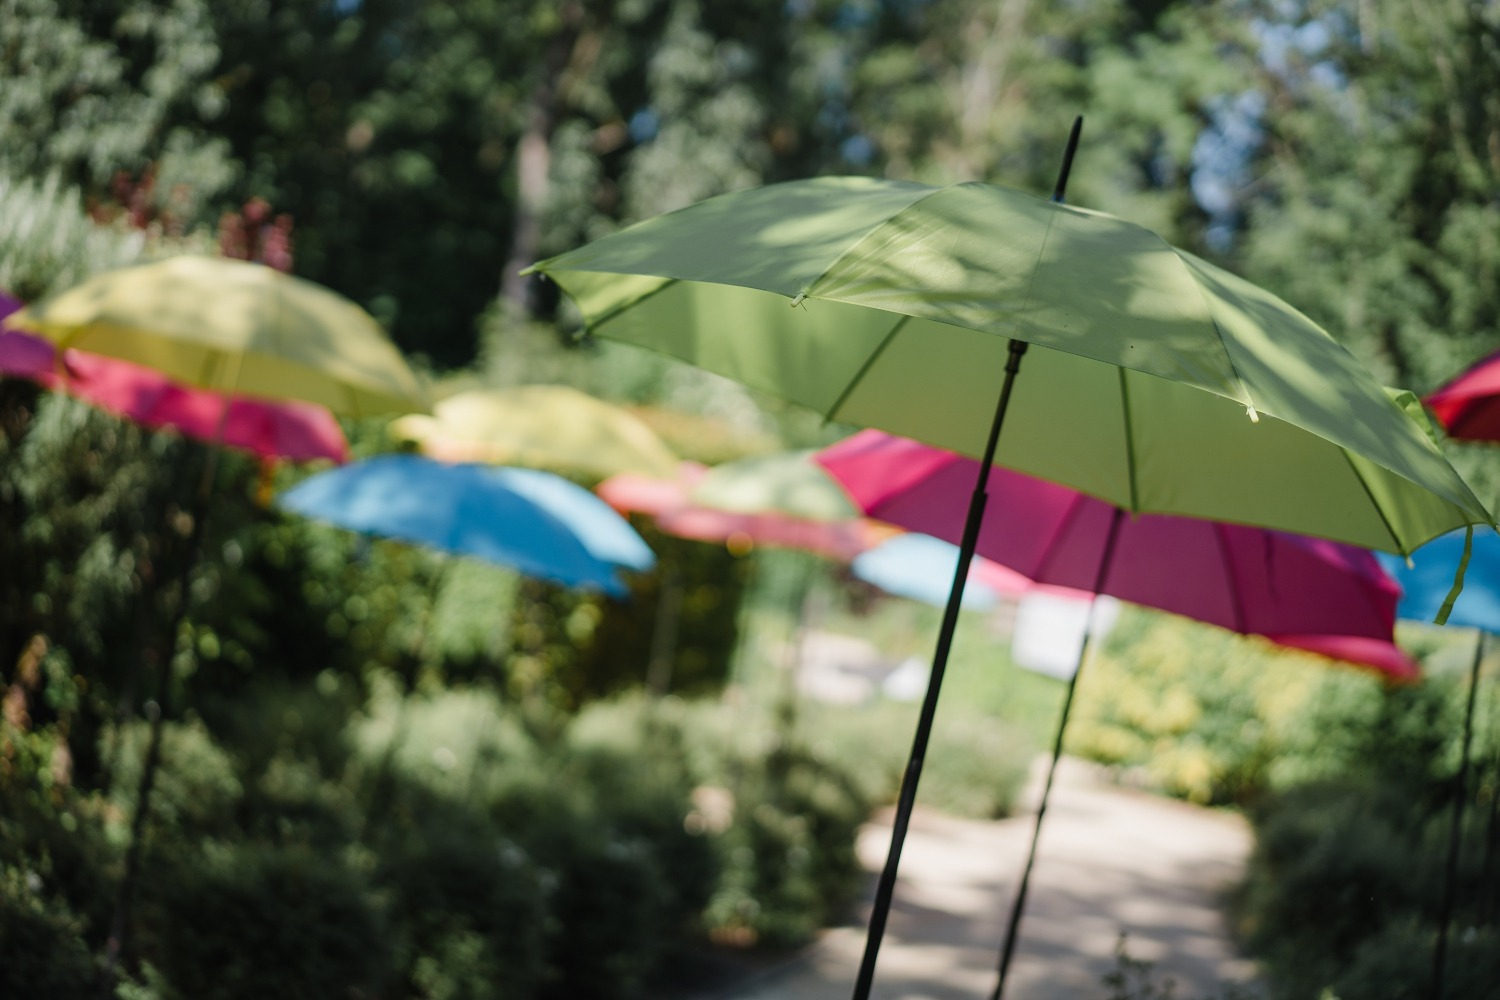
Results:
x,y
1458,577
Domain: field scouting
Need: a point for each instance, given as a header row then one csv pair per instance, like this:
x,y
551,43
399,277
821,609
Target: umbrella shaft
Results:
x,y
1018,907
886,887
1067,163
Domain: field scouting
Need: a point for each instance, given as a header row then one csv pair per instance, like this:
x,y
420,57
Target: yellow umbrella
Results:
x,y
233,326
551,426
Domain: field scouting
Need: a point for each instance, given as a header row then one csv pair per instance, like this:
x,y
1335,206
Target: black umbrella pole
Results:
x,y
908,797
1067,164
119,924
1440,949
1018,906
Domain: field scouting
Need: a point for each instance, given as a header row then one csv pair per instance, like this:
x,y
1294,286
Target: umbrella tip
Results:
x,y
1061,188
1252,413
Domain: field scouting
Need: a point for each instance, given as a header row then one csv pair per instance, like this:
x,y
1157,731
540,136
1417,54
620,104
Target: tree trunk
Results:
x,y
534,156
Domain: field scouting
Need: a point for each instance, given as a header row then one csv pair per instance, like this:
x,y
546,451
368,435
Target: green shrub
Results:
x,y
469,913
634,758
1396,964
246,922
1345,884
42,952
1329,861
598,806
195,789
610,905
788,860
1219,718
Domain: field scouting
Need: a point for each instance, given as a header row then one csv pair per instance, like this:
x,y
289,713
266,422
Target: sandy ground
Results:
x,y
1111,861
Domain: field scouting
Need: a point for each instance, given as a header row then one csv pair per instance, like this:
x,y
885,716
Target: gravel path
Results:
x,y
1111,861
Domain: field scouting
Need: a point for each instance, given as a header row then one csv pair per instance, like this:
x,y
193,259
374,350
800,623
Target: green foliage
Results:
x,y
1216,718
705,583
50,244
93,89
1375,202
473,913
1344,883
248,921
789,862
1350,862
976,764
40,939
621,837
196,788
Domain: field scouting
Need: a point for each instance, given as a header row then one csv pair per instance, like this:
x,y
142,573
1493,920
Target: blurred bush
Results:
x,y
788,860
42,951
1219,718
1350,784
246,920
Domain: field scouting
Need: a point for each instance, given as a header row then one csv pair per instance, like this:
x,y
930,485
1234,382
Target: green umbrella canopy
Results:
x,y
787,482
1155,380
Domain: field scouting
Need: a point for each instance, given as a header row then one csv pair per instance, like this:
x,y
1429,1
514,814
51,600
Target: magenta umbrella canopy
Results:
x,y
286,429
1468,406
1291,589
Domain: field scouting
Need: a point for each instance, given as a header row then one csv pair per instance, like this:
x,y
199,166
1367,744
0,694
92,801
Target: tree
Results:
x,y
92,89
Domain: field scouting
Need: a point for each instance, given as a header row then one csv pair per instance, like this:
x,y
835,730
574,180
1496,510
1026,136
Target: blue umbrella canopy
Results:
x,y
921,567
1424,586
470,510
598,525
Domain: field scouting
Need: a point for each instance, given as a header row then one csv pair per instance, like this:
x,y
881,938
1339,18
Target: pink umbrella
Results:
x,y
1291,589
1468,406
284,429
669,502
1314,594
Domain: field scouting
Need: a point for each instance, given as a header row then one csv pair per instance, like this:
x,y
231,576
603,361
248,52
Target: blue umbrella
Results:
x,y
598,525
921,567
471,510
1478,607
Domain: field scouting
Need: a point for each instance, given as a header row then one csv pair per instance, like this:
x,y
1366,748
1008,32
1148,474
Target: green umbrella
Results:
x,y
786,482
1154,380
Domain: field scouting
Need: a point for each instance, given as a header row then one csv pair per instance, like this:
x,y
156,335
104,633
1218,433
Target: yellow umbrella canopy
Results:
x,y
234,326
551,426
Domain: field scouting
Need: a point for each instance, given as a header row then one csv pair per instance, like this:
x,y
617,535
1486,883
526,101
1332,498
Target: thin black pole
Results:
x,y
156,711
1061,187
907,799
1440,950
1018,906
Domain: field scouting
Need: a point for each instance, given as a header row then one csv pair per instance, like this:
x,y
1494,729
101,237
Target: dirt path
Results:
x,y
1110,861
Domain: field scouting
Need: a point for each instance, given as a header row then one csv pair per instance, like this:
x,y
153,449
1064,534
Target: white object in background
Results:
x,y
908,682
1049,630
